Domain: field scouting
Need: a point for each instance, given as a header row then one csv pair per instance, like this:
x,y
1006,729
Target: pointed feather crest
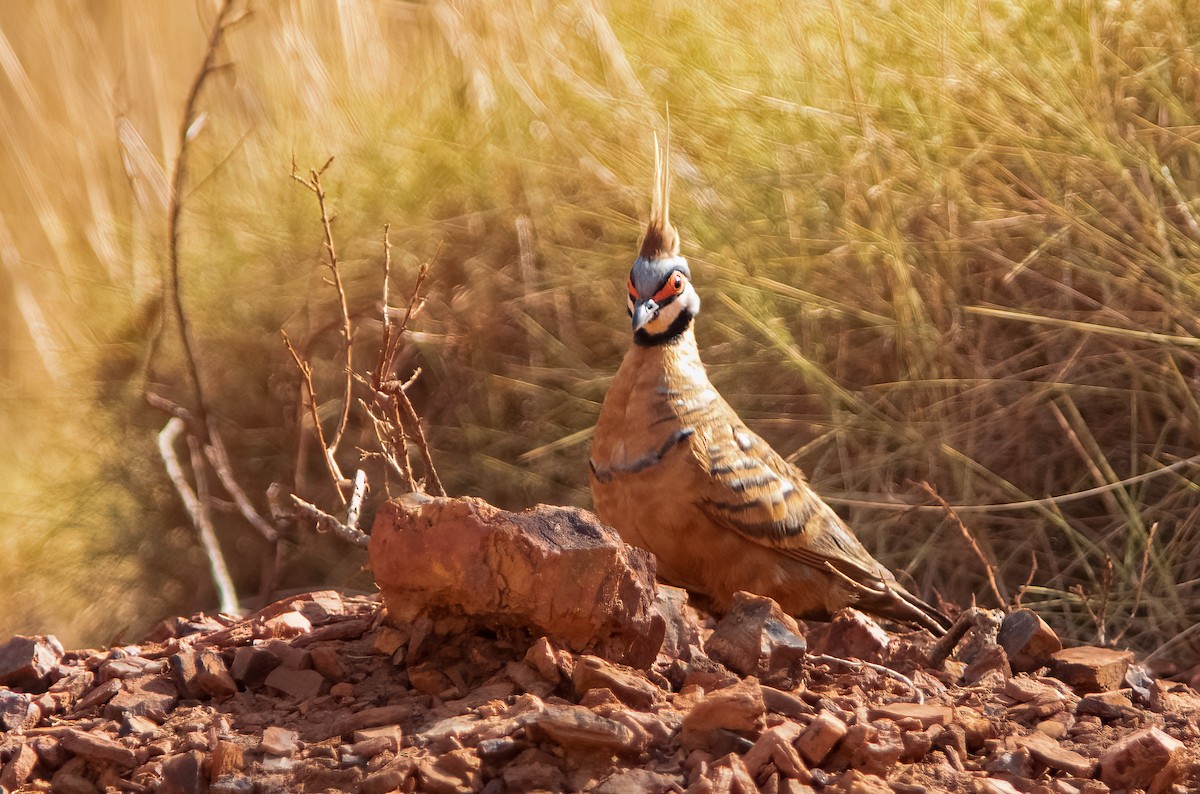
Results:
x,y
661,241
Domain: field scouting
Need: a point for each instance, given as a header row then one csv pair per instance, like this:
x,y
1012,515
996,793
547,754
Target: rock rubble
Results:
x,y
324,692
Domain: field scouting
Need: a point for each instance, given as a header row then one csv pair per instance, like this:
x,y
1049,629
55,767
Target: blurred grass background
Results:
x,y
949,242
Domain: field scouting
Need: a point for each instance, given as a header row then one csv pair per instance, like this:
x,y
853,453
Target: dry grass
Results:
x,y
953,243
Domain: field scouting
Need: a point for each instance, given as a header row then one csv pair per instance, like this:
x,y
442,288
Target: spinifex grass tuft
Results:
x,y
952,243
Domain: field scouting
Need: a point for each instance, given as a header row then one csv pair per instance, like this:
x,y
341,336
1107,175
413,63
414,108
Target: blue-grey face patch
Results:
x,y
648,275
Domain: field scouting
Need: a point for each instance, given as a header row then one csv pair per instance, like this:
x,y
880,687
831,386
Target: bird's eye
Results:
x,y
673,287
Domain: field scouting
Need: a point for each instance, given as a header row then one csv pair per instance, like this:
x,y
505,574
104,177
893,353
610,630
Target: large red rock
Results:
x,y
555,571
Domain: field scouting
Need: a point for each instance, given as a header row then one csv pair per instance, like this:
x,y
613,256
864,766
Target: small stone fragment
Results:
x,y
1106,705
232,784
738,709
756,637
393,733
637,781
182,667
140,727
18,768
289,624
212,676
228,758
151,696
182,774
852,634
1090,669
578,728
279,741
252,664
1135,760
1055,756
26,662
1027,640
682,627
543,657
369,748
990,663
592,672
97,747
776,746
820,736
373,718
18,711
328,662
300,684
452,773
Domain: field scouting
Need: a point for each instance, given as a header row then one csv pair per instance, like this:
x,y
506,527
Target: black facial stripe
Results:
x,y
680,324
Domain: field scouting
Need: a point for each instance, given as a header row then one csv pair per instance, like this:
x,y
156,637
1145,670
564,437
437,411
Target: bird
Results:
x,y
676,472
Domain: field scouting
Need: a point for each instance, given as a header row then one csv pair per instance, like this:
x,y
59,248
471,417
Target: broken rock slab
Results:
x,y
1089,669
1028,640
26,662
1134,761
555,571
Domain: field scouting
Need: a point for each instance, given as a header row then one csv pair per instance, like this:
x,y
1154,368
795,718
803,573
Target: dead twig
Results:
x,y
310,393
998,590
218,458
173,294
313,183
1141,585
858,664
193,503
328,523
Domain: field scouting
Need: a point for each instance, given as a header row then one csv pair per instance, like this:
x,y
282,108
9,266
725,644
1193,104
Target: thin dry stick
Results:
x,y
385,343
219,459
413,428
1141,585
313,183
226,594
311,393
1001,596
1033,566
858,664
175,208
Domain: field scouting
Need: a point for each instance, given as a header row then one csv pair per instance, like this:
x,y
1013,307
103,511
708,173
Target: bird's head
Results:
x,y
662,301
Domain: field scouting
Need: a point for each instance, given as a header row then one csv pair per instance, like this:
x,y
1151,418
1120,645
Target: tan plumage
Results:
x,y
676,472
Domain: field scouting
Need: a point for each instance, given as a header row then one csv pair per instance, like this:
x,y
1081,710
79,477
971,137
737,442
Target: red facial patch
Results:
x,y
673,287
632,291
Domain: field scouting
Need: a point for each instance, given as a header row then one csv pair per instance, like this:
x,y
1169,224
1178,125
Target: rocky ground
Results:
x,y
324,692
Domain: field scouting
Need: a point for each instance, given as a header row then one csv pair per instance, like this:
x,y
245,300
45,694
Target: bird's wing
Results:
x,y
756,493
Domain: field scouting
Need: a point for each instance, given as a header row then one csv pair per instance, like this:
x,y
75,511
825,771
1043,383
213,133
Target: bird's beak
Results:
x,y
643,313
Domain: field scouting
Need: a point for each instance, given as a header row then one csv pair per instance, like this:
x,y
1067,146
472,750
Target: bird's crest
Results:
x,y
661,241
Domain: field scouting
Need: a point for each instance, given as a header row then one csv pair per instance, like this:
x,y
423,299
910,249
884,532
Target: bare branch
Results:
x,y
219,458
313,183
227,595
327,523
356,499
412,425
171,286
311,393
